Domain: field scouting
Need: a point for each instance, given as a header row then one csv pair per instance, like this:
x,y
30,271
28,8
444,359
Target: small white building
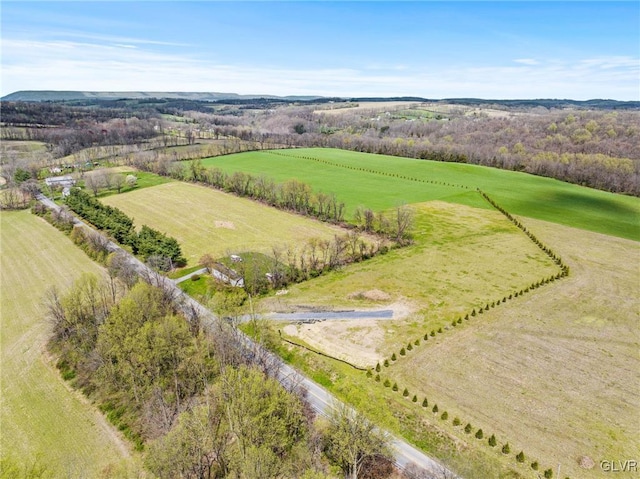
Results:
x,y
227,275
63,181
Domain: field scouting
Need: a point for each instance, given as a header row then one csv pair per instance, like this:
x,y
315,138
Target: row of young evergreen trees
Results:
x,y
146,243
564,271
444,416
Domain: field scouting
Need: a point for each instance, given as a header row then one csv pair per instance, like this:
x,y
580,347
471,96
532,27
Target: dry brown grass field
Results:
x,y
42,419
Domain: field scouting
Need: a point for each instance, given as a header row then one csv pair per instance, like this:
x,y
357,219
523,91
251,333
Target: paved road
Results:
x,y
319,398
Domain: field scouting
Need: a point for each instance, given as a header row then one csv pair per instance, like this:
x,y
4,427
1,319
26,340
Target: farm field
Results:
x,y
555,372
520,193
204,220
448,272
43,419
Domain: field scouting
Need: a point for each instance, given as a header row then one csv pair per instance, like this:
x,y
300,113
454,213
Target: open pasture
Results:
x,y
555,372
42,418
344,173
204,220
451,270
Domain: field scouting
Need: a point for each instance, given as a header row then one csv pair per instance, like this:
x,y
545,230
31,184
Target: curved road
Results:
x,y
319,398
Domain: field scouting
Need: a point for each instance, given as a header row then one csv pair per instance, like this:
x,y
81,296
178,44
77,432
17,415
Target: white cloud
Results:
x,y
527,61
130,66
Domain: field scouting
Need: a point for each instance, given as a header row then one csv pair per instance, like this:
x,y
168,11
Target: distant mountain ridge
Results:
x,y
56,96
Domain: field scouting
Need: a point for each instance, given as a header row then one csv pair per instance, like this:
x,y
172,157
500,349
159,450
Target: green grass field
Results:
x,y
451,270
42,418
554,373
205,220
520,193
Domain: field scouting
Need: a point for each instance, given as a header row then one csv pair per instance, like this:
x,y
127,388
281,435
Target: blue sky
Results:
x,y
507,49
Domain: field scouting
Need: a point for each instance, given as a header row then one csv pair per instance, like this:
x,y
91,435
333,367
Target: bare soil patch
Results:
x,y
224,224
371,295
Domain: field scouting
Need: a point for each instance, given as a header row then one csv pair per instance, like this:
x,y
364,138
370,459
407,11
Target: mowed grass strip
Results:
x,y
205,220
463,258
555,372
42,418
520,193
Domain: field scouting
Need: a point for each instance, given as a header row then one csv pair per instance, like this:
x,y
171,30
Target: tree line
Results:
x,y
191,398
147,243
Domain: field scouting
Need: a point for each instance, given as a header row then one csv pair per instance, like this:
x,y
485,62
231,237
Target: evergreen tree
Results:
x,y
479,434
395,386
445,416
492,440
506,449
425,403
520,457
468,428
405,393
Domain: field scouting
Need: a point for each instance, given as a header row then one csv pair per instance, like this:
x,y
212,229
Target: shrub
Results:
x,y
459,320
433,333
195,277
548,474
506,449
409,347
402,352
395,386
425,403
473,313
456,421
386,363
454,323
534,465
435,408
479,434
468,428
414,398
445,416
393,357
405,393
426,336
440,330
492,440
378,367
387,383
369,373
417,342
520,457
377,377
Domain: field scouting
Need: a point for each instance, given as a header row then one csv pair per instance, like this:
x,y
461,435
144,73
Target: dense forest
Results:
x,y
588,143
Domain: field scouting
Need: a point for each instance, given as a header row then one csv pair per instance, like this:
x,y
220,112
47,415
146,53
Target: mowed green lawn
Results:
x,y
42,418
205,220
520,193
